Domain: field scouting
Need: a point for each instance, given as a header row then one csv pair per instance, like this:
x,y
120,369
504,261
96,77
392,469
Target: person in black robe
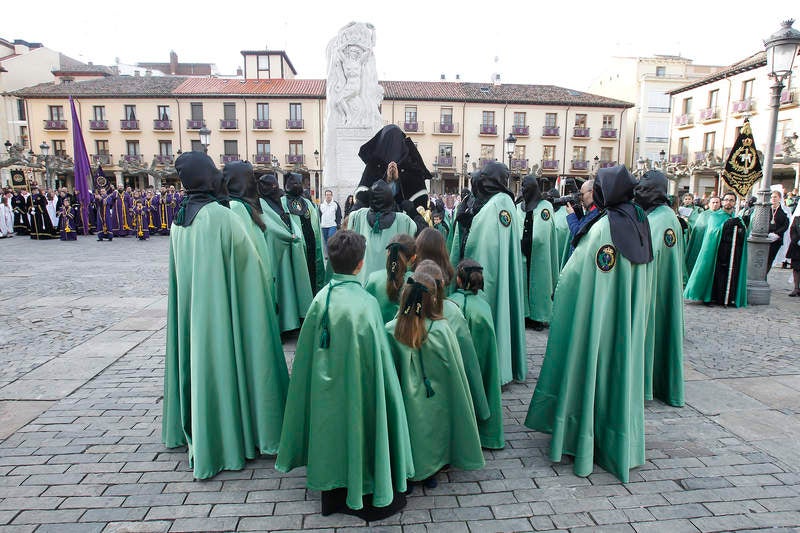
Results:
x,y
391,156
793,253
778,224
463,221
726,282
41,225
298,206
21,206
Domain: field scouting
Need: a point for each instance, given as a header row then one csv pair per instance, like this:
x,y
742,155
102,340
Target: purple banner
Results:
x,y
82,168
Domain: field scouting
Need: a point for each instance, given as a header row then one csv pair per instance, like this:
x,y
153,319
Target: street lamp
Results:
x,y
463,176
45,148
205,138
7,144
510,142
640,165
595,165
782,47
317,184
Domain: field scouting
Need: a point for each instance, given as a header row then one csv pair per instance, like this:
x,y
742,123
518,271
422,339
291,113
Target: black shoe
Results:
x,y
431,482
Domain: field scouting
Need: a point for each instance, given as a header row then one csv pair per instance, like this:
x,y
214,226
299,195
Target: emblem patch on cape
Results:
x,y
102,181
606,258
545,214
669,238
505,218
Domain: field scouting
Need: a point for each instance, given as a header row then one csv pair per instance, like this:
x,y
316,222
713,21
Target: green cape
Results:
x,y
478,315
701,279
375,255
590,391
472,368
293,289
545,262
345,419
442,427
450,220
376,286
563,236
267,257
225,376
663,362
493,242
297,229
697,230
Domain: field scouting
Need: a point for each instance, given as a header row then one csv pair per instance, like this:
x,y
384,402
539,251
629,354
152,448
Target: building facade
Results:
x,y
135,126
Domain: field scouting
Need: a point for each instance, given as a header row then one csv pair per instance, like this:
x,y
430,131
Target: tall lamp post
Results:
x,y
205,138
463,176
317,184
45,148
510,142
782,47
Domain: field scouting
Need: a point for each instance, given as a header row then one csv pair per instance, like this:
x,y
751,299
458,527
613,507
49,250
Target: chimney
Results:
x,y
136,73
173,62
458,77
148,73
239,71
442,77
91,64
496,80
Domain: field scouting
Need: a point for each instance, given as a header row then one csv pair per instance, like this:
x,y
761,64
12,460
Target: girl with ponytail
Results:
x,y
386,285
441,420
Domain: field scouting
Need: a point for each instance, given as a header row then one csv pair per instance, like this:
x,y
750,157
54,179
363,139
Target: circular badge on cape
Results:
x,y
296,207
102,181
505,218
606,258
669,238
545,214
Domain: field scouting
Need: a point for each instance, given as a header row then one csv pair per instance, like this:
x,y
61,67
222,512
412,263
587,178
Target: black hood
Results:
x,y
630,231
293,184
381,213
651,191
242,183
386,146
531,195
268,187
202,181
490,180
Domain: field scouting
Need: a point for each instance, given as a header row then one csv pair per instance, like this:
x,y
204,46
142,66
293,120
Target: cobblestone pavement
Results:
x,y
81,369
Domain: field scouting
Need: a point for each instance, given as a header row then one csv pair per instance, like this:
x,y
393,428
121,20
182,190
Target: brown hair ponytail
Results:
x,y
416,305
470,275
399,252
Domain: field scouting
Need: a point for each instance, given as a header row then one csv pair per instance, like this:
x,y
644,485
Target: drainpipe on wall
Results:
x,y
180,128
566,128
619,140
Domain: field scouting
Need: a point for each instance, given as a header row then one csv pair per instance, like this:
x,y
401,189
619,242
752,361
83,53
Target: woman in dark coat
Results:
x,y
778,224
793,253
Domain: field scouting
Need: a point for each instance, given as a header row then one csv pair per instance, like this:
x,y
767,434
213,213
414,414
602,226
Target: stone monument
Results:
x,y
352,109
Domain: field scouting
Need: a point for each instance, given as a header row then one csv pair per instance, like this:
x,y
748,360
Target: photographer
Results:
x,y
589,208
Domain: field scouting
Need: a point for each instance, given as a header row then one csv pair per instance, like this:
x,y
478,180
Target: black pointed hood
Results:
x,y
202,181
651,191
293,184
268,187
630,231
531,194
381,206
490,180
242,183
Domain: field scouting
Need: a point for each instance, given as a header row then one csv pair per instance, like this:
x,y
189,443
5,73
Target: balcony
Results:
x,y
483,161
195,124
488,129
294,124
580,165
162,125
445,128
521,131
519,164
551,131
445,161
229,124
788,98
412,127
607,164
295,159
580,133
608,133
742,106
684,121
132,158
164,160
98,125
262,124
262,159
709,114
129,125
228,158
655,109
55,124
550,164
102,159
678,159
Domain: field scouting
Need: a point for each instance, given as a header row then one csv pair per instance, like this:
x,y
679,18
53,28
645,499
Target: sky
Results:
x,y
564,43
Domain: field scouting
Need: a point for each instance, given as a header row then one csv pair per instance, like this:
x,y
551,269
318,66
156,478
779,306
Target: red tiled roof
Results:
x,y
275,88
759,59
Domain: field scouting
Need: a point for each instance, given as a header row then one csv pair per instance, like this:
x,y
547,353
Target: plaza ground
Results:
x,y
81,370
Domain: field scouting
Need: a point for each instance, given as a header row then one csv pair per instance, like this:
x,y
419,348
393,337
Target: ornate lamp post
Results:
x,y
45,148
317,184
435,184
782,47
595,165
465,170
205,138
7,144
510,142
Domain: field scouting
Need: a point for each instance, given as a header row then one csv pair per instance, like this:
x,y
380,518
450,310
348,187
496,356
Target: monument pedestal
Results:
x,y
343,168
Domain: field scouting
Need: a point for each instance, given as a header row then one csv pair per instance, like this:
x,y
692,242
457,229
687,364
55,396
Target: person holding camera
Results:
x,y
589,209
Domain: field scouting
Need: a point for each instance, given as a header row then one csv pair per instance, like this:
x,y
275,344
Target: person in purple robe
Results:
x,y
119,213
129,199
173,202
41,225
140,218
67,222
105,215
153,205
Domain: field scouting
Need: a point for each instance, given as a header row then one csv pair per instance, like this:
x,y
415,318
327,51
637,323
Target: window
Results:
x,y
99,112
411,114
163,112
262,111
165,148
519,120
229,111
580,120
197,111
519,151
56,112
606,153
487,151
197,146
656,131
683,146
130,112
661,71
747,89
60,148
686,108
21,109
608,122
262,147
132,147
487,118
549,152
101,147
445,150
713,97
708,141
446,115
658,102
550,120
23,136
263,66
295,111
295,147
579,153
231,147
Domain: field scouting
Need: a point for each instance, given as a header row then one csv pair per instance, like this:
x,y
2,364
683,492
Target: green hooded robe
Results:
x,y
376,286
700,284
472,368
590,391
697,230
663,363
297,229
375,255
345,419
442,426
563,236
225,376
478,315
545,262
